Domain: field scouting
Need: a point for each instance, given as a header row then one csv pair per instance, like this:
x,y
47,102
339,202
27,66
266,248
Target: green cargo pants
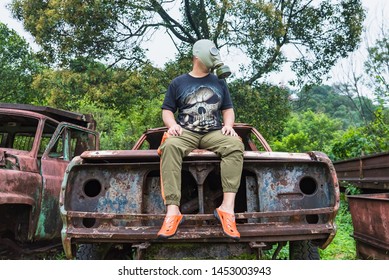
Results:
x,y
174,148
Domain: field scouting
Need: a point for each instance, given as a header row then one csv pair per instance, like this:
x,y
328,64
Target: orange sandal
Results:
x,y
169,226
228,223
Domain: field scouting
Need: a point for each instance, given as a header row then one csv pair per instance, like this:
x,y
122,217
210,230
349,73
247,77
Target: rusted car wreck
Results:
x,y
110,201
370,209
36,145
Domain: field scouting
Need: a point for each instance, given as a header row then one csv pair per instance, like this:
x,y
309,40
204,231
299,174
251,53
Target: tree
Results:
x,y
125,103
18,65
373,135
264,106
371,83
364,140
377,67
308,131
320,32
352,110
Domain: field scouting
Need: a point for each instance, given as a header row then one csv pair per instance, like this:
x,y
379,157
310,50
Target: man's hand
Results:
x,y
168,119
175,130
228,130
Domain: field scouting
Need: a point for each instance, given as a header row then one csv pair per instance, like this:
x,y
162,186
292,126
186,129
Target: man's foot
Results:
x,y
228,223
169,226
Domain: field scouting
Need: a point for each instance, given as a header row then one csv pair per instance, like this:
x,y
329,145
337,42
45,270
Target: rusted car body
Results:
x,y
113,197
370,173
370,216
370,209
36,145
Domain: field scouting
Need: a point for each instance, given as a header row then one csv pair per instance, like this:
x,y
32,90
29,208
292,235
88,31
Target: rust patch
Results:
x,y
370,216
368,172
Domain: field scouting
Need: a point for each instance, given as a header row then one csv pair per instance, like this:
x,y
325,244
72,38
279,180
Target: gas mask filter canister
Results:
x,y
208,54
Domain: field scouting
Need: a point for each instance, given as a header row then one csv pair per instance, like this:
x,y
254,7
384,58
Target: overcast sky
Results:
x,y
376,11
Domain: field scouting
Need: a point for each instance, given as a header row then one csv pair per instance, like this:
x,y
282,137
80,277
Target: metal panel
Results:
x,y
370,216
121,202
114,196
368,172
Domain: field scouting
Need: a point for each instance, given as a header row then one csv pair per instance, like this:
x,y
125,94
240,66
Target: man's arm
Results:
x,y
170,122
228,119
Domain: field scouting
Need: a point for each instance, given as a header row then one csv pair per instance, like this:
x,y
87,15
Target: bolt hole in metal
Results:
x,y
88,222
312,219
308,185
92,188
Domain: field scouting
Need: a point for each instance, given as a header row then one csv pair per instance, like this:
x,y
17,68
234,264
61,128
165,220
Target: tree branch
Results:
x,y
203,22
302,8
190,19
268,64
220,21
187,37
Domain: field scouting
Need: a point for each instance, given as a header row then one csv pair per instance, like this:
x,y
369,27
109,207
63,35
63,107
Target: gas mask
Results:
x,y
208,54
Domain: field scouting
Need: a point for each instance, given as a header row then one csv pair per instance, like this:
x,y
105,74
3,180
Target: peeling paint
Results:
x,y
282,197
30,176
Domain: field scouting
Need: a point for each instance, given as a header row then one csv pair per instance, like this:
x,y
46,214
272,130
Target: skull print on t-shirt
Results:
x,y
202,111
199,101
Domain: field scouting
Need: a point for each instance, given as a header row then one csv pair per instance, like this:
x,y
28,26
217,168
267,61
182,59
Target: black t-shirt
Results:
x,y
199,101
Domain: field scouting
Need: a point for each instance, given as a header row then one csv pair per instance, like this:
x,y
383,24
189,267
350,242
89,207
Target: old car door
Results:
x,y
67,142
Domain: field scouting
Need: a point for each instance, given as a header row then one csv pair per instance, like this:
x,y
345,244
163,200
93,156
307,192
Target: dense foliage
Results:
x,y
87,40
336,105
124,103
377,67
100,68
265,106
18,65
364,140
318,33
304,132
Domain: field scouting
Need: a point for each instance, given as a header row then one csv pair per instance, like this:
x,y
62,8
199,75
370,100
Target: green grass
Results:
x,y
343,245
